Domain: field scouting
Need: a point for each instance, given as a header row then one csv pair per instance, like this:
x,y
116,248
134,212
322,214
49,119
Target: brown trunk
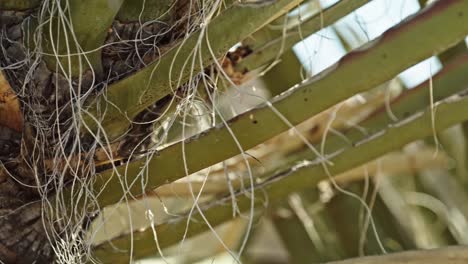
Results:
x,y
22,236
27,155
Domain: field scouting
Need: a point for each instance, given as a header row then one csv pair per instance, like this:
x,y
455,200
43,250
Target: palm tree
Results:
x,y
111,104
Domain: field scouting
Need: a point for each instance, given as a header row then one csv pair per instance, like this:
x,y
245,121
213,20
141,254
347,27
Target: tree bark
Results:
x,y
26,233
22,235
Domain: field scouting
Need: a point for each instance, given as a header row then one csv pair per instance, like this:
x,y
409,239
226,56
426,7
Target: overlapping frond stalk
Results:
x,y
456,255
275,40
128,97
298,177
141,10
19,4
402,46
78,29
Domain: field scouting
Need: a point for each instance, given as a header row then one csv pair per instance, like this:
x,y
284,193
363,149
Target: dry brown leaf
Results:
x,y
10,113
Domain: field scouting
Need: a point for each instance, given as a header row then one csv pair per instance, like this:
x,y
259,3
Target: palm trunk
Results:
x,y
22,236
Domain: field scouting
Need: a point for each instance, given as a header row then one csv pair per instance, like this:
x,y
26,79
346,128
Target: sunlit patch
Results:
x,y
420,72
320,50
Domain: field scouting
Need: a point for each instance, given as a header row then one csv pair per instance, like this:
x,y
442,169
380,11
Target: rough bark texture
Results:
x,y
45,101
22,236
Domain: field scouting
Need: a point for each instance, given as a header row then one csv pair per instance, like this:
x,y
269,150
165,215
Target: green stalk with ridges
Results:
x,y
300,176
144,10
399,48
269,50
74,35
124,99
19,4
